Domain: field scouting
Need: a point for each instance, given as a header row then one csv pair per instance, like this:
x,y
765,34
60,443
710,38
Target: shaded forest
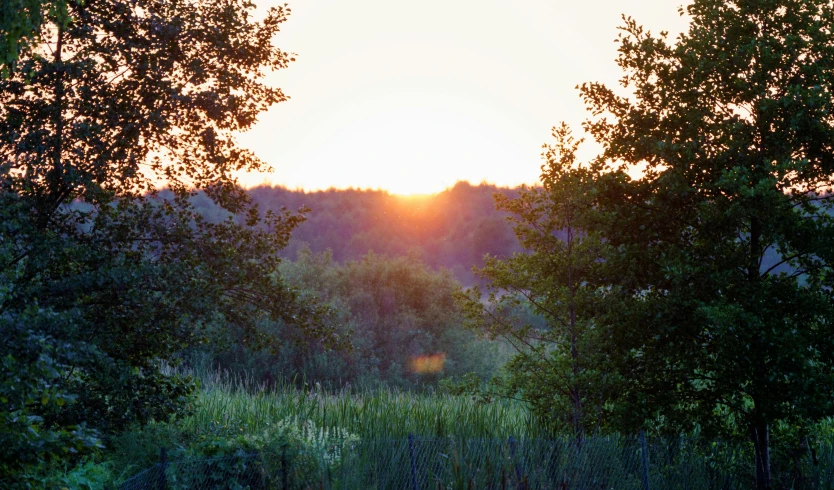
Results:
x,y
395,311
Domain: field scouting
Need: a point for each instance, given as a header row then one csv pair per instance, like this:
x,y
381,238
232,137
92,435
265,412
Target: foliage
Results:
x,y
32,373
233,417
725,241
237,416
85,476
102,276
20,27
288,443
140,446
560,367
289,451
396,311
709,275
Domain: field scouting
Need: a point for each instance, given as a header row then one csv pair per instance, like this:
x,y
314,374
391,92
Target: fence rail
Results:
x,y
436,463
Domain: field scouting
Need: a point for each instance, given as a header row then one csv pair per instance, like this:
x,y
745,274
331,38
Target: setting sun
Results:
x,y
405,143
411,98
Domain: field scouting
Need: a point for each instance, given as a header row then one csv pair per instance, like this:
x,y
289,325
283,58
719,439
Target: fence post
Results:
x,y
644,457
815,464
413,462
515,463
162,478
284,475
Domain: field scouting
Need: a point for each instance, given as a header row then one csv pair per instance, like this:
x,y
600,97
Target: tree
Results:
x,y
404,326
108,101
559,367
21,23
728,233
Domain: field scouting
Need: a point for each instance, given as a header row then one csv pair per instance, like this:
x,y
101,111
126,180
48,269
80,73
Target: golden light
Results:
x,y
405,142
428,364
413,97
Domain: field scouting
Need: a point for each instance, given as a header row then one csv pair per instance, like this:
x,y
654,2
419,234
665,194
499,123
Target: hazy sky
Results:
x,y
412,96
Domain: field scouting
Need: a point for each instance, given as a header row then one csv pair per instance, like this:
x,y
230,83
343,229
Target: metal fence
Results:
x,y
438,463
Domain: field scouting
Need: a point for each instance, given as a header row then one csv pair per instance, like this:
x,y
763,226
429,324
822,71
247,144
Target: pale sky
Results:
x,y
412,96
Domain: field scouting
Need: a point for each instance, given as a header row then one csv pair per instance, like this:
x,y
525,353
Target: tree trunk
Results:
x,y
58,116
761,444
576,390
55,176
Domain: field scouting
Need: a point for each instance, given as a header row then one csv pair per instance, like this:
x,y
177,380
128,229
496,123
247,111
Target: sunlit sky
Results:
x,y
412,96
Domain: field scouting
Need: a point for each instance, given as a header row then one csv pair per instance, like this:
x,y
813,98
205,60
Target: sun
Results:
x,y
406,143
415,189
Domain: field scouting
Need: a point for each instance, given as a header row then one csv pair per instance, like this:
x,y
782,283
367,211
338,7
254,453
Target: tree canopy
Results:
x,y
732,216
103,277
560,362
720,249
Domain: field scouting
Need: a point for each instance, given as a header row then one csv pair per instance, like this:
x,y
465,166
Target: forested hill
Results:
x,y
451,229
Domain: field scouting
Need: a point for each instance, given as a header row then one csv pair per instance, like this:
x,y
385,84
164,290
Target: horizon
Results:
x,y
274,185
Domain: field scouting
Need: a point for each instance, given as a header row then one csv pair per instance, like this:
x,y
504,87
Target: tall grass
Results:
x,y
237,404
456,440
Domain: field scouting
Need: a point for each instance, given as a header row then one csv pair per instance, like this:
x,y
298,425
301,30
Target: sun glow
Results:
x,y
407,143
428,364
413,97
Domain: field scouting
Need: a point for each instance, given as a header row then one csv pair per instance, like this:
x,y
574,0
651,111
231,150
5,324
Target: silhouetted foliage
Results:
x,y
710,274
546,300
732,123
100,276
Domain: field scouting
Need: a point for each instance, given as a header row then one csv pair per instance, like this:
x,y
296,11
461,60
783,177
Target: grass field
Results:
x,y
456,440
378,414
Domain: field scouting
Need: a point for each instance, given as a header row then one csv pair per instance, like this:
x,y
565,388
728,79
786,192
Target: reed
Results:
x,y
234,404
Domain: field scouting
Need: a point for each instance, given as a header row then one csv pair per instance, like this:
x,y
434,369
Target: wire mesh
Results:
x,y
442,463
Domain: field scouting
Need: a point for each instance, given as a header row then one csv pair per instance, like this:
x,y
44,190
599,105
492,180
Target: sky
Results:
x,y
413,96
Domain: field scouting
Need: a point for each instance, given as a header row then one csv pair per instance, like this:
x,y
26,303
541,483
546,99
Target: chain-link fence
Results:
x,y
437,463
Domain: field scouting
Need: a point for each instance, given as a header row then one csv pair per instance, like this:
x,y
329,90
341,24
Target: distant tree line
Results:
x,y
453,229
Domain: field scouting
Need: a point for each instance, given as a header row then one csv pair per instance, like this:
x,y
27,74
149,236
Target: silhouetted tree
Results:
x,y
101,277
733,125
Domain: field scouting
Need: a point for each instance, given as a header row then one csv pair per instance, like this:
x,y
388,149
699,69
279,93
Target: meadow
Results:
x,y
340,439
382,413
232,416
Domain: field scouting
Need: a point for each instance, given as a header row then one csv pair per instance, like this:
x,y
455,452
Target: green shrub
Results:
x,y
86,476
139,448
291,450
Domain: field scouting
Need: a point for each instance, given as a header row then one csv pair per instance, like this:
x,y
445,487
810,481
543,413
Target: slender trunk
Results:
x,y
761,444
760,428
753,273
55,176
58,121
576,393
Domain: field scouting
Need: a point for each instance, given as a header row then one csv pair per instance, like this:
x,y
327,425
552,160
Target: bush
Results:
x,y
293,450
87,476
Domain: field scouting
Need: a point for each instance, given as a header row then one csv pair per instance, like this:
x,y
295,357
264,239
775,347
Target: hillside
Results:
x,y
452,229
